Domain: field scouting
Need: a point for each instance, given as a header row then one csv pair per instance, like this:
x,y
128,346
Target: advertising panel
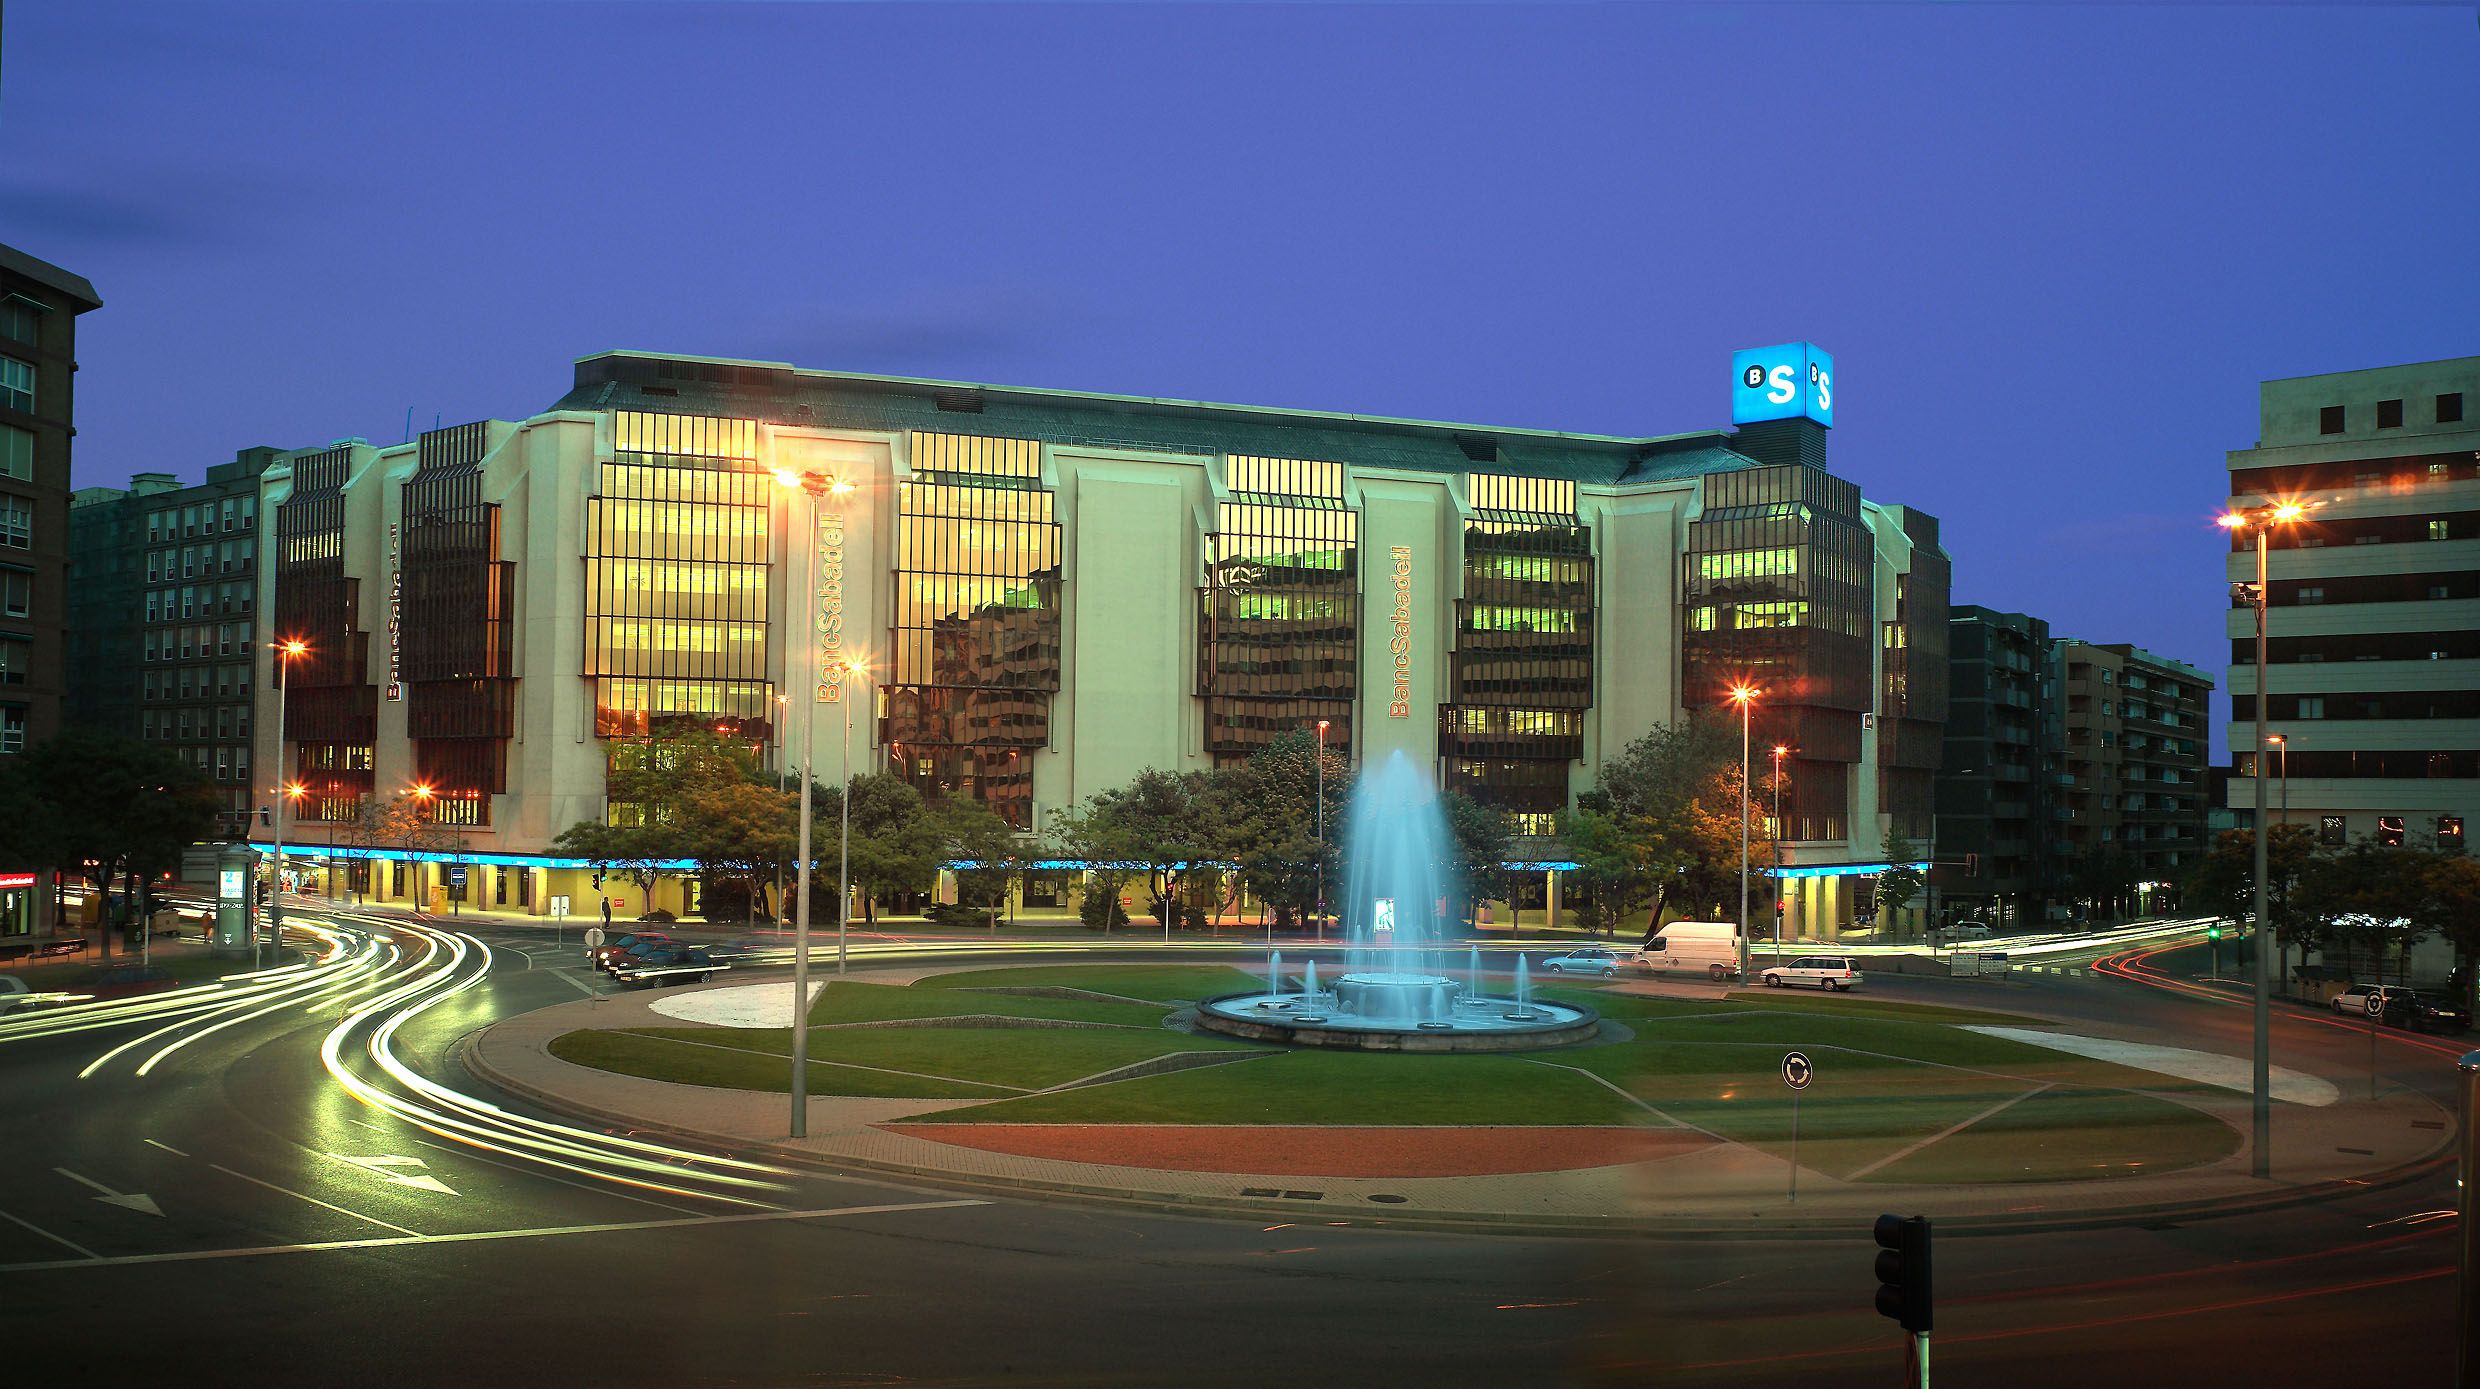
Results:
x,y
1788,382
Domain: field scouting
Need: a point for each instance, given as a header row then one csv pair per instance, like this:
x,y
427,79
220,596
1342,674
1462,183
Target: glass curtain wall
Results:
x,y
1780,593
676,583
460,696
976,657
1523,665
1911,729
331,708
1279,612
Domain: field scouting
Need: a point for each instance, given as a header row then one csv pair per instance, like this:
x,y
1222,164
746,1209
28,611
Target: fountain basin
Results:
x,y
1325,1023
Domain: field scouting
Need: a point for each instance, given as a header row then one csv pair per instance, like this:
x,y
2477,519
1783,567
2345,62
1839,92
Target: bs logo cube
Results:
x,y
1783,383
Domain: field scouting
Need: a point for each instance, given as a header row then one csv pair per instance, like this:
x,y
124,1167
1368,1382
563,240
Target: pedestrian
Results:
x,y
606,912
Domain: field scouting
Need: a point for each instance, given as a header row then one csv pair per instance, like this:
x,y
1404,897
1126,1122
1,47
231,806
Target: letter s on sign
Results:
x,y
1825,387
1779,386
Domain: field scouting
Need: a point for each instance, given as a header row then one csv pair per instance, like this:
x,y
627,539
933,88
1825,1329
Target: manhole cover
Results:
x,y
1390,1200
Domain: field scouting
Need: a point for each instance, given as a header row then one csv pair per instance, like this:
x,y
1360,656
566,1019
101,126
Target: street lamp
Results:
x,y
859,669
2262,520
1746,697
286,653
1780,752
2282,751
782,712
1321,830
423,794
815,486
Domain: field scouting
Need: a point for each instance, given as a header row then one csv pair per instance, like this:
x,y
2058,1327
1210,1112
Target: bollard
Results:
x,y
2467,1179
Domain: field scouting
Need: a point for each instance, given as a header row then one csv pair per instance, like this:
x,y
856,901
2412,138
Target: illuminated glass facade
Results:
x,y
1278,616
976,654
460,694
1779,592
677,561
1513,728
332,711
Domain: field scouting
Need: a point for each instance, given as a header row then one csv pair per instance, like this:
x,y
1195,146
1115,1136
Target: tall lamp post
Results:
x,y
1745,696
857,668
422,794
782,711
1321,830
1780,752
286,653
2262,520
816,486
2282,753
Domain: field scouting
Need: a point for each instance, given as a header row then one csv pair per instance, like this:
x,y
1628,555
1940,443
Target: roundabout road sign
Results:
x,y
1797,1073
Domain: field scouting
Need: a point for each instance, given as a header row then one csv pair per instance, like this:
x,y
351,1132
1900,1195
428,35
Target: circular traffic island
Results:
x,y
1380,1011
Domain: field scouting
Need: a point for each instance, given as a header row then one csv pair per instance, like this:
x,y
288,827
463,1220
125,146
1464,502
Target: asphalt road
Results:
x,y
308,1237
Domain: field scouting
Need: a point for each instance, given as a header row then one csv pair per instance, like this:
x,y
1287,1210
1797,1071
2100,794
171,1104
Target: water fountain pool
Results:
x,y
1395,993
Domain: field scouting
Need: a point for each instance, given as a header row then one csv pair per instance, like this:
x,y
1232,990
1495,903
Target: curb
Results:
x,y
1654,1229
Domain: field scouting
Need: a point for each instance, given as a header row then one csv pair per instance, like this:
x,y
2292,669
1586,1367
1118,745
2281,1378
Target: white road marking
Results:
x,y
607,1190
80,1250
165,1146
190,1255
384,1165
132,1201
313,1200
2204,1067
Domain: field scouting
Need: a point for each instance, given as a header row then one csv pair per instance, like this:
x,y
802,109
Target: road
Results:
x,y
310,1236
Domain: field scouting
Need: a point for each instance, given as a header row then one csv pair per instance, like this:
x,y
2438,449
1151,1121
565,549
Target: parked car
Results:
x,y
602,955
659,965
1592,959
1712,946
2397,1006
1969,930
1840,973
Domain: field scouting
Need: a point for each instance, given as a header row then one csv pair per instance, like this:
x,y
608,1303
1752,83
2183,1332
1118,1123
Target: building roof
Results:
x,y
781,393
51,277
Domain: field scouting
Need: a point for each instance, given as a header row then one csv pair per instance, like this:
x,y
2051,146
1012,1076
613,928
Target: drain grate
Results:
x,y
1387,1198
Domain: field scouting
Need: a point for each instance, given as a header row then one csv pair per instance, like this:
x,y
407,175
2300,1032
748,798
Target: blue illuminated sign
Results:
x,y
1789,382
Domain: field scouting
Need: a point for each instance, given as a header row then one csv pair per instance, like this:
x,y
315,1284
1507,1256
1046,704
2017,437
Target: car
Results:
x,y
1591,959
2398,1006
657,966
1711,946
1969,930
1841,973
602,955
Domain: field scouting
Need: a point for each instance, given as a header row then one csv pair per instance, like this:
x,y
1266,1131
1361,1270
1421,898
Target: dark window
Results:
x,y
2329,830
2450,408
2450,833
2389,414
2329,420
2390,830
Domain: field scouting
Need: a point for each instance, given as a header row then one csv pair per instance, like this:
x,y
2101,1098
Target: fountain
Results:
x,y
1392,994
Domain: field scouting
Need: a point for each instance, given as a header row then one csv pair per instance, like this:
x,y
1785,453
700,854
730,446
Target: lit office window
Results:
x,y
1523,660
1279,611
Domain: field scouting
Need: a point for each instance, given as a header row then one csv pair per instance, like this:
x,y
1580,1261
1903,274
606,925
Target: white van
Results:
x,y
1711,946
1971,930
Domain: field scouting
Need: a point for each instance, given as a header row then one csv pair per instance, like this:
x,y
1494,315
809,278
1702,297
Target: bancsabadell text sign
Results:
x,y
1793,381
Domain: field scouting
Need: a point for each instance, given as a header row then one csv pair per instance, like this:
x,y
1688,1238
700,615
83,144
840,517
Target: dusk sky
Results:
x,y
2053,248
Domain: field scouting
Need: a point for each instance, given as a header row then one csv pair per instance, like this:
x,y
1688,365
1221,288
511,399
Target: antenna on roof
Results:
x,y
408,424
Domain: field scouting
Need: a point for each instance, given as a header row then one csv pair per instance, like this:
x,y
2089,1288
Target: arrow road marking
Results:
x,y
420,1181
134,1201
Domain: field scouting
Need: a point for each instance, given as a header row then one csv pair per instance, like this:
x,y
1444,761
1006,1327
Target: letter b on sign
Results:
x,y
1793,381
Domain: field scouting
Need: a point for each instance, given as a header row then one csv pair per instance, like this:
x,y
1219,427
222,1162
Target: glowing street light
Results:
x,y
286,652
2262,520
1745,696
1780,752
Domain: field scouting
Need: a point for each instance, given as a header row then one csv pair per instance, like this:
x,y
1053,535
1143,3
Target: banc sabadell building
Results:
x,y
1052,591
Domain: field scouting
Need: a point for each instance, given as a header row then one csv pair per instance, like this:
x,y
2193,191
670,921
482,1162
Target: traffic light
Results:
x,y
2213,932
1903,1271
1971,865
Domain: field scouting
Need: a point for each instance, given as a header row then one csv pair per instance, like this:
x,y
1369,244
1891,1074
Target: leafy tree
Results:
x,y
969,832
631,851
2103,877
2367,896
1662,823
739,833
890,852
2223,882
1477,838
106,805
399,823
1269,804
1900,882
1167,825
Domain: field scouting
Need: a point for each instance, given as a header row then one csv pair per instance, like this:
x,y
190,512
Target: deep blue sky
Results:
x,y
2053,247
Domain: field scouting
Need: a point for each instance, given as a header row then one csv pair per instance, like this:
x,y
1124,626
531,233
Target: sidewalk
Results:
x,y
1694,1186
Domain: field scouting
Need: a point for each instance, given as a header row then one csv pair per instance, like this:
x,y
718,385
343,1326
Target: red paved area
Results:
x,y
1278,1151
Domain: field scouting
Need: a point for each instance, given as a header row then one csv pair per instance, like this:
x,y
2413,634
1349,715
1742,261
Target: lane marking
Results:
x,y
529,1173
165,1146
129,1201
313,1200
80,1250
192,1255
383,1167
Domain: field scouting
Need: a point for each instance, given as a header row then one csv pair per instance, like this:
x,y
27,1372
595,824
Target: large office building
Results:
x,y
1996,801
2372,677
2132,759
163,618
39,308
1055,591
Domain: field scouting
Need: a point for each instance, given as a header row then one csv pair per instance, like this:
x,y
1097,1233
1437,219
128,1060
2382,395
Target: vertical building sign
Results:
x,y
1401,706
829,605
396,614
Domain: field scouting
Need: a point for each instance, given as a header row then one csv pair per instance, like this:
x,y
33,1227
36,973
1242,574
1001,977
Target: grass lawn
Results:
x,y
1329,1087
658,1058
1160,983
2064,1134
1018,1059
849,1000
1851,1006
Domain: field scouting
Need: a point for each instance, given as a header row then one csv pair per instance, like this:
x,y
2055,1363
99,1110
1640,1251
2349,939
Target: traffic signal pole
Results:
x,y
1904,1291
2467,1295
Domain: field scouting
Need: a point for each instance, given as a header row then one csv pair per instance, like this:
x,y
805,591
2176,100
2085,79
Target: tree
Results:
x,y
1900,882
890,853
1166,825
401,823
2367,897
970,833
738,833
105,805
1269,806
1477,837
1663,823
2103,877
632,851
2223,882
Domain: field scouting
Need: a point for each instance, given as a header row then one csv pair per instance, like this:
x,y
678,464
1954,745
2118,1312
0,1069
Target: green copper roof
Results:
x,y
781,393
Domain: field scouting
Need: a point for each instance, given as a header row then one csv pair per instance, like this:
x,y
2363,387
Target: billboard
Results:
x,y
1793,381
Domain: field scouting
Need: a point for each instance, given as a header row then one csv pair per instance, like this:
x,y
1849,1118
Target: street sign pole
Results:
x,y
2467,1324
1796,1073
